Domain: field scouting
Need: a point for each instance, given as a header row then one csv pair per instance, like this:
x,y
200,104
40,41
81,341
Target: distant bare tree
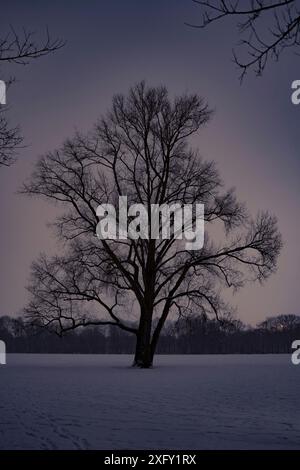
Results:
x,y
267,28
10,140
19,48
280,323
140,150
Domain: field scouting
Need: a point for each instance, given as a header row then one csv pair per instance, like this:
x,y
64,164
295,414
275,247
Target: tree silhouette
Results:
x,y
19,48
267,28
10,140
140,150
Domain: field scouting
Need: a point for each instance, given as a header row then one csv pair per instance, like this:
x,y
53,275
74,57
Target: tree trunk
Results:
x,y
143,353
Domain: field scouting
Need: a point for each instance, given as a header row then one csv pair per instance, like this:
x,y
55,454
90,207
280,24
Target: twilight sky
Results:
x,y
111,45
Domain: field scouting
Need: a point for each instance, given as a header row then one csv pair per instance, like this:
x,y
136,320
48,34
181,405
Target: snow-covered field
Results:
x,y
185,402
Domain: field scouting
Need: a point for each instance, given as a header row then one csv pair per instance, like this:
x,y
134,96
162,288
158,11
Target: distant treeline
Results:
x,y
193,336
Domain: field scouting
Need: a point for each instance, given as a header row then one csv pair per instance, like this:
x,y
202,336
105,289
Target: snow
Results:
x,y
184,402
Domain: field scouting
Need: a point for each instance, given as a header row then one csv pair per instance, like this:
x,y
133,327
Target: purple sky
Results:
x,y
253,136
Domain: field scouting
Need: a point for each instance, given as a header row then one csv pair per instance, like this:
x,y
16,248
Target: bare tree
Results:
x,y
19,48
267,28
10,140
140,150
280,323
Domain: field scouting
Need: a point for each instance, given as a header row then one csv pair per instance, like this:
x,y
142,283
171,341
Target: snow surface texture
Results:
x,y
185,402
